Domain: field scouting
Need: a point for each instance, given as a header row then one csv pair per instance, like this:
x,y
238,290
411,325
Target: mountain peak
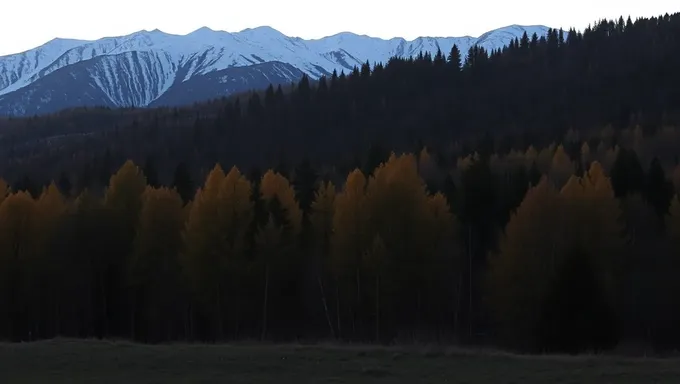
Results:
x,y
141,67
203,30
262,28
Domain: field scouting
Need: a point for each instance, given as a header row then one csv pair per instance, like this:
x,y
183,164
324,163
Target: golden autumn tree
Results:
x,y
593,231
561,168
586,156
17,217
602,226
214,238
528,257
48,262
443,226
124,194
351,236
398,204
321,219
426,165
400,215
544,159
123,200
275,185
350,240
276,242
236,213
89,258
530,157
154,268
4,190
268,241
201,259
374,260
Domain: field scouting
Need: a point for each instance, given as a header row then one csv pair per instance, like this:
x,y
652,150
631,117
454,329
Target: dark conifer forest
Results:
x,y
524,198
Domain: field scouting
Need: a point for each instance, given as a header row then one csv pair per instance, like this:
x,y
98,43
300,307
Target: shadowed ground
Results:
x,y
65,361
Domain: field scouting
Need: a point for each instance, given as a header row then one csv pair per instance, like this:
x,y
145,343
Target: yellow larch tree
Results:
x,y
530,156
351,234
544,159
235,212
125,190
17,216
520,273
321,219
399,214
268,242
561,168
426,165
48,262
350,240
323,211
276,185
155,268
202,259
374,260
586,156
123,200
276,243
604,226
4,190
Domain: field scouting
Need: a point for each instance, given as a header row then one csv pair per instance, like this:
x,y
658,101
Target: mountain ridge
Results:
x,y
152,62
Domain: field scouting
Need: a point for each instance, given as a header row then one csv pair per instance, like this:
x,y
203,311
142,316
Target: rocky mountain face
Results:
x,y
153,68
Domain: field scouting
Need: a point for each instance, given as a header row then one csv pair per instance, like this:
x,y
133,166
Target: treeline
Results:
x,y
621,73
242,259
535,250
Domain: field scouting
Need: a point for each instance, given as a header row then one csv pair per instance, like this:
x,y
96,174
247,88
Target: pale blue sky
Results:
x,y
27,24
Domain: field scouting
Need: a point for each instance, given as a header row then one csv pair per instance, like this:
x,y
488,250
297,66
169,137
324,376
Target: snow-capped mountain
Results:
x,y
151,68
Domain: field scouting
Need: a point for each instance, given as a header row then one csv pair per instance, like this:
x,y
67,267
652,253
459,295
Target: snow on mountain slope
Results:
x,y
136,69
501,37
17,69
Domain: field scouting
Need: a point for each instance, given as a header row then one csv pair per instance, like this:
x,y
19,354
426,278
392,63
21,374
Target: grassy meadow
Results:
x,y
68,361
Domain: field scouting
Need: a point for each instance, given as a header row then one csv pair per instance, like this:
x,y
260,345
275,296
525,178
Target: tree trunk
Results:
x,y
105,309
133,310
357,310
57,322
264,303
470,282
337,307
417,312
325,306
192,332
219,312
456,314
377,308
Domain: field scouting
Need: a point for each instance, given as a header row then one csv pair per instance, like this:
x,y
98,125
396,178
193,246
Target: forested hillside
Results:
x,y
618,73
535,206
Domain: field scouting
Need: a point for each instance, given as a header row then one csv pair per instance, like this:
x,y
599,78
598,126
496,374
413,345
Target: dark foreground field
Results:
x,y
65,361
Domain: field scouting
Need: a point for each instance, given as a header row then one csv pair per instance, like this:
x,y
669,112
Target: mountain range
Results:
x,y
154,68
